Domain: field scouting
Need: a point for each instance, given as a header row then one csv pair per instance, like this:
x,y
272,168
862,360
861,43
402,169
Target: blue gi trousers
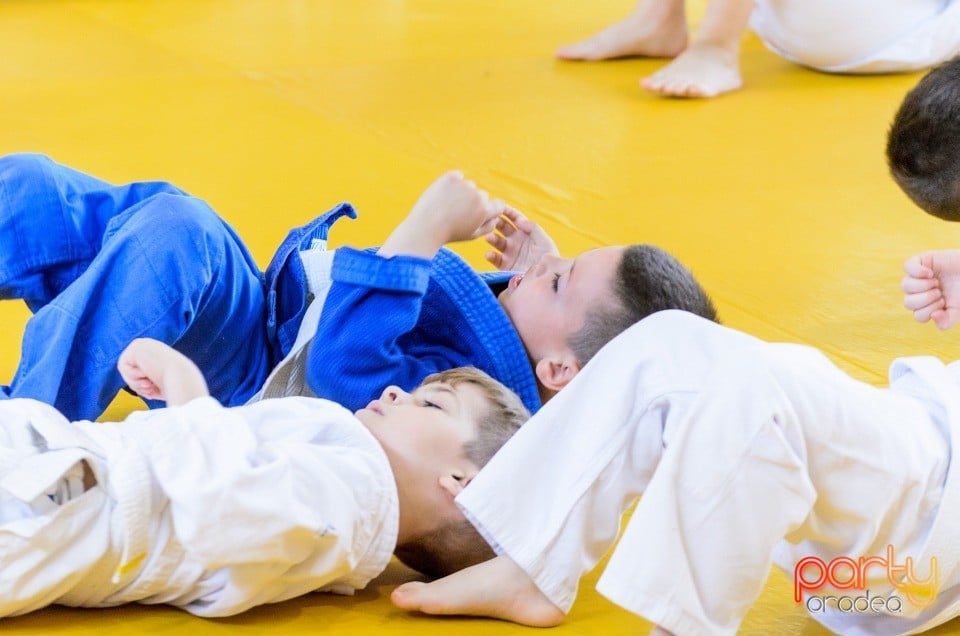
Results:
x,y
100,265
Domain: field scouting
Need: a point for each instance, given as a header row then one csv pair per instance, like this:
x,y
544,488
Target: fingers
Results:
x,y
921,300
505,226
516,220
147,389
913,285
491,215
516,216
496,241
919,266
923,314
494,258
138,381
486,228
509,223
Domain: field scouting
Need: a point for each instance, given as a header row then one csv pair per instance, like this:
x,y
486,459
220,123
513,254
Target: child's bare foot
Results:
x,y
700,71
648,32
497,588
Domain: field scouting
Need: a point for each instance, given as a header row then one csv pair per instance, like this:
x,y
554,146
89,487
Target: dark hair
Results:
x,y
445,550
923,145
648,279
457,545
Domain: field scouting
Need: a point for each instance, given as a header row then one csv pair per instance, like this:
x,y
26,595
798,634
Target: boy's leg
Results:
x,y
604,440
52,220
167,268
697,550
656,28
592,447
711,64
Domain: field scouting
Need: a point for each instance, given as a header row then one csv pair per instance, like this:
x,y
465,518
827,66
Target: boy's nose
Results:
x,y
393,395
544,264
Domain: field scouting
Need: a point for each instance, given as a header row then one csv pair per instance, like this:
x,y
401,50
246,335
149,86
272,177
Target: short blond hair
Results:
x,y
458,545
504,415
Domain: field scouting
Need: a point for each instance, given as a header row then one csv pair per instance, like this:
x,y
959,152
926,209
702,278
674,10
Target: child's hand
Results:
x,y
156,371
455,209
932,287
451,209
520,243
141,367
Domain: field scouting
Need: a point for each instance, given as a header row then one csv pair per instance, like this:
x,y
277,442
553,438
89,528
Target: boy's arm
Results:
x,y
156,371
357,349
375,299
452,209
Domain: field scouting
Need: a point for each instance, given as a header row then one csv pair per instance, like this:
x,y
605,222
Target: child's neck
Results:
x,y
416,517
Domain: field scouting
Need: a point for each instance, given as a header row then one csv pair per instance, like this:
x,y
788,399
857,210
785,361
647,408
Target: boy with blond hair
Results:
x,y
216,510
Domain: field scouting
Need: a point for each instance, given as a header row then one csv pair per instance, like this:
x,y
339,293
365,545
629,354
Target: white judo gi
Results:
x,y
746,453
211,509
860,36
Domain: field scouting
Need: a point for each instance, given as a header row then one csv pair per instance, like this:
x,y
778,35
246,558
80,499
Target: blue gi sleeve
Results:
x,y
364,342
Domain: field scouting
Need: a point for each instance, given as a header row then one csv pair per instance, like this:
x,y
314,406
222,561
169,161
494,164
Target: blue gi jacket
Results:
x,y
393,320
101,264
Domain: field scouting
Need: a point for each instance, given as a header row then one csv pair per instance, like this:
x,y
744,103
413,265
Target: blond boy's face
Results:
x,y
549,302
424,432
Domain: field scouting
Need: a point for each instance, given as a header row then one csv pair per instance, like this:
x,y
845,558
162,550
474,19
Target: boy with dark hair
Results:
x,y
547,321
101,265
216,510
744,454
923,151
923,145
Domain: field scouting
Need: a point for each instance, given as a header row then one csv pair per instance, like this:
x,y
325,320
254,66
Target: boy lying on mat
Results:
x,y
216,510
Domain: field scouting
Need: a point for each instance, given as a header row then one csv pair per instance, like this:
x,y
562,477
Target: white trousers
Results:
x,y
860,36
735,444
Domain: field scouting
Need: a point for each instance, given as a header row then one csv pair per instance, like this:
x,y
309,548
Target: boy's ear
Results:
x,y
455,480
555,372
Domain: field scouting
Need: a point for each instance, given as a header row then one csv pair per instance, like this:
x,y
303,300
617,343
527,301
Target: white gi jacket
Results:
x,y
211,509
746,453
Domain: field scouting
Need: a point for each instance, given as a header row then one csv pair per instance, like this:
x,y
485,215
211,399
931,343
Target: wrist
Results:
x,y
413,239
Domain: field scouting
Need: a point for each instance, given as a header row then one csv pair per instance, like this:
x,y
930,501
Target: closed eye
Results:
x,y
556,282
431,405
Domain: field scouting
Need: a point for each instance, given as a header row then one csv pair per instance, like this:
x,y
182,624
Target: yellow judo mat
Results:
x,y
777,196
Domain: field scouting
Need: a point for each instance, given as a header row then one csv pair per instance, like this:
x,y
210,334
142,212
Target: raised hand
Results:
x,y
931,287
451,209
156,371
518,242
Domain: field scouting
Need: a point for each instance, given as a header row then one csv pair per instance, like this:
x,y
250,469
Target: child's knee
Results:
x,y
182,234
170,221
23,177
24,166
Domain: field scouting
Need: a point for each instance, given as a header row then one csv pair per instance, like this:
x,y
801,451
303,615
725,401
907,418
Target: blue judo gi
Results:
x,y
100,265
